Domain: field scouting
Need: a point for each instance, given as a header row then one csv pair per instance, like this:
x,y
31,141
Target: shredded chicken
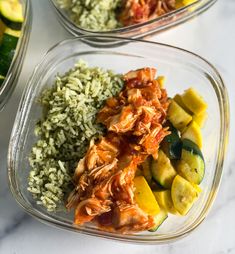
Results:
x,y
103,179
138,11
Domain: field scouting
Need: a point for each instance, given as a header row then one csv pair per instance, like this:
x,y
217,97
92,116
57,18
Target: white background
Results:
x,y
211,35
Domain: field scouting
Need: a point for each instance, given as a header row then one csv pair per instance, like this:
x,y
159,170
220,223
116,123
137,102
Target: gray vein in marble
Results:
x,y
227,251
230,171
17,221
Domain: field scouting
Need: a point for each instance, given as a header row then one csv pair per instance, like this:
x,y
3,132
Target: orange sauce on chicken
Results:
x,y
104,191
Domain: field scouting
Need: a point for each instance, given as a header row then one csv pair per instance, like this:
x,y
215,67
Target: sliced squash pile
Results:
x,y
11,19
174,178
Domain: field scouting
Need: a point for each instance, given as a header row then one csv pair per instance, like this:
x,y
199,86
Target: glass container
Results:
x,y
182,70
140,30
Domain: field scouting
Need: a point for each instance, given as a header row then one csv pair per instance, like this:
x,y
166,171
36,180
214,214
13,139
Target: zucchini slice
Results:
x,y
162,170
192,147
1,80
146,169
155,186
15,33
11,13
2,29
172,145
164,199
7,51
194,101
138,172
158,220
177,98
192,165
178,116
183,194
144,196
193,132
12,10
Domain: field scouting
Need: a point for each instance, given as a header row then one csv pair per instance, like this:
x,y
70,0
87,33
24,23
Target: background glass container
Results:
x,y
12,76
182,70
141,30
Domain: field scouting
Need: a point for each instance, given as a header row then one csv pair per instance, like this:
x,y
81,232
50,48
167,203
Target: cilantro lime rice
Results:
x,y
97,15
66,128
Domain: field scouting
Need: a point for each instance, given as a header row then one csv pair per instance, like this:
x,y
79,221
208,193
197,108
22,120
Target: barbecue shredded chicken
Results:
x,y
138,11
104,191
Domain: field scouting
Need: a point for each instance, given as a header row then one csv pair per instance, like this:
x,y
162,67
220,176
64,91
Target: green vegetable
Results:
x,y
15,33
1,80
11,13
172,145
183,194
192,147
178,116
192,165
158,220
164,199
2,29
162,170
147,170
7,51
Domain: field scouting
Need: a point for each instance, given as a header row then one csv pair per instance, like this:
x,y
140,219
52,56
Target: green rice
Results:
x,y
66,128
96,15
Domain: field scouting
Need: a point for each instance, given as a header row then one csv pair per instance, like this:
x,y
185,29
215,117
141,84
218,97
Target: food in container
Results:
x,y
15,18
166,58
132,19
109,15
11,19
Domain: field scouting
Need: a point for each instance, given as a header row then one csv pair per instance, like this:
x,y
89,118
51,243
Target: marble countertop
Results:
x,y
212,36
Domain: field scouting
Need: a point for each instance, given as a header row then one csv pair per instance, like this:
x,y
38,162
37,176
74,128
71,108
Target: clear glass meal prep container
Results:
x,y
139,30
182,70
11,79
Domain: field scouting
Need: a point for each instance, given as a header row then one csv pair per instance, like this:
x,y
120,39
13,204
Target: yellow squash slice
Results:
x,y
12,32
12,10
183,194
177,98
200,119
193,132
161,80
164,199
144,196
178,116
182,3
194,101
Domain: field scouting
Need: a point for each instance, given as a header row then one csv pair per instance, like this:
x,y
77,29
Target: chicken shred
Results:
x,y
138,11
103,179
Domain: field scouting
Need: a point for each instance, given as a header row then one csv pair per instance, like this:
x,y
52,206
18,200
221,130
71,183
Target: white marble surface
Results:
x,y
212,35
